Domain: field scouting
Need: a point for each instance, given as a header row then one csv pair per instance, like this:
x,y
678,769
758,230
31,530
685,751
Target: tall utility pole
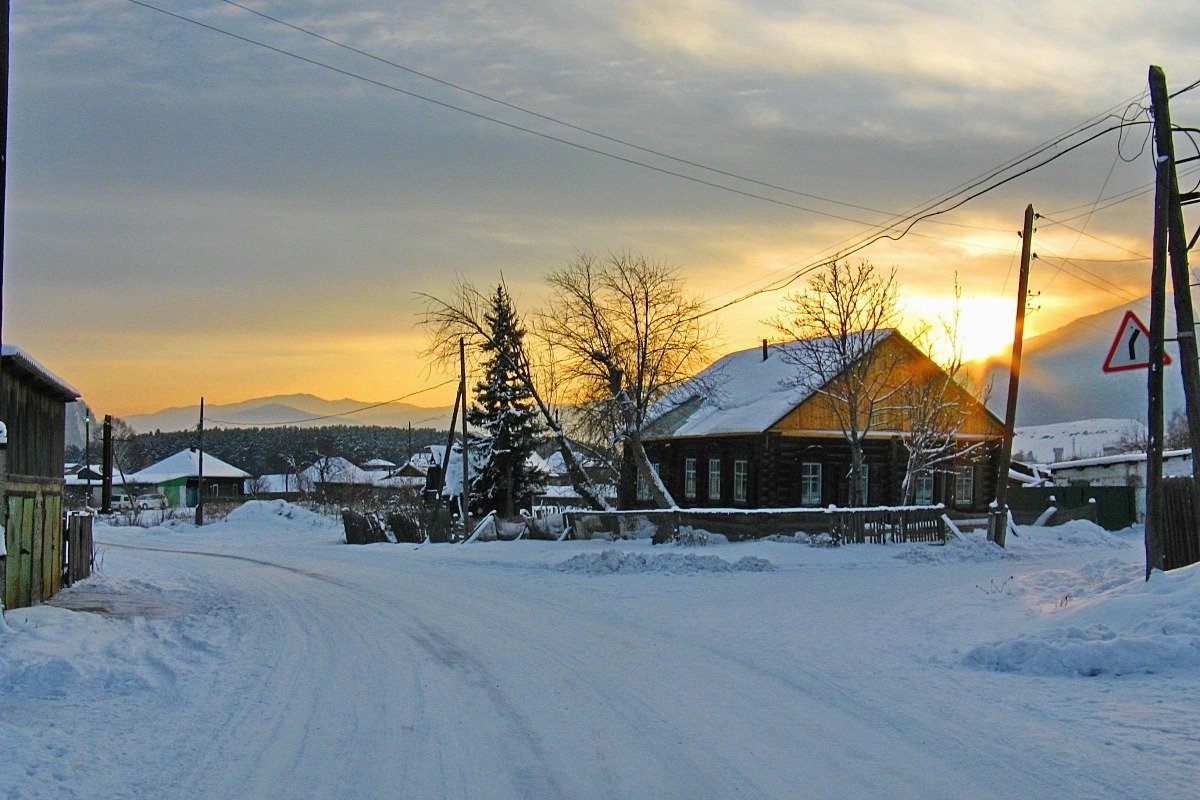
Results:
x,y
3,144
199,468
1154,380
106,467
466,459
998,525
1171,219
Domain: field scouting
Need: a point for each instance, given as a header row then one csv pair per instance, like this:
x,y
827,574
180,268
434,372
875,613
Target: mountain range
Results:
x,y
300,410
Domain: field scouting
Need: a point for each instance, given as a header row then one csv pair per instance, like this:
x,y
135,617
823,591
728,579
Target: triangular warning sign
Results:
x,y
1131,348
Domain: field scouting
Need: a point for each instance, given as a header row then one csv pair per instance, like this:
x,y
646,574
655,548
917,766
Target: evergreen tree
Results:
x,y
505,411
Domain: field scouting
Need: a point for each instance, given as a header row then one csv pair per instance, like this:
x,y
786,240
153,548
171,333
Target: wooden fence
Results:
x,y
878,525
1181,539
79,556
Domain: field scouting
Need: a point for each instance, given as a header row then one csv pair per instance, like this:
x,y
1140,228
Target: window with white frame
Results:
x,y
714,479
689,478
964,486
924,493
810,483
741,480
643,489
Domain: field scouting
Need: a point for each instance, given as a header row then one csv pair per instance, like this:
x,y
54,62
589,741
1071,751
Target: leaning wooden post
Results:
x,y
998,519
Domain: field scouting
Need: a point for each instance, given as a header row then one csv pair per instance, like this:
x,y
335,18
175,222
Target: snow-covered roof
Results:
x,y
1120,458
378,463
739,393
186,464
29,365
336,469
430,455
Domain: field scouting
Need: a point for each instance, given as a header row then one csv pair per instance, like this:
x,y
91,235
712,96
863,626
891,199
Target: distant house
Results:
x,y
378,465
178,477
756,437
85,477
1125,469
337,478
32,407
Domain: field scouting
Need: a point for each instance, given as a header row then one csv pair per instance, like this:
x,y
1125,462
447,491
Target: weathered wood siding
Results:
x,y
895,363
35,420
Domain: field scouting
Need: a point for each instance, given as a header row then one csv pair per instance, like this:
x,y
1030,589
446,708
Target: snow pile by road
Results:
x,y
612,561
1075,534
1135,628
51,652
277,515
971,550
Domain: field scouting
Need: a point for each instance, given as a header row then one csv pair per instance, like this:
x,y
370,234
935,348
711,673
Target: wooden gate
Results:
x,y
34,541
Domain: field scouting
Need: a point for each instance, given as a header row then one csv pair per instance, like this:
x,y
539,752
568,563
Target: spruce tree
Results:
x,y
505,412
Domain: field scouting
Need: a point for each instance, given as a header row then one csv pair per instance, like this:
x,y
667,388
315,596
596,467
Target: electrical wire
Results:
x,y
911,222
342,414
895,229
496,120
1141,256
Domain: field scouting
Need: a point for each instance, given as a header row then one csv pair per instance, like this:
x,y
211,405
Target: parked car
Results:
x,y
121,502
152,501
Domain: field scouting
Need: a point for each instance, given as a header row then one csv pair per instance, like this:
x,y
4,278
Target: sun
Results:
x,y
985,323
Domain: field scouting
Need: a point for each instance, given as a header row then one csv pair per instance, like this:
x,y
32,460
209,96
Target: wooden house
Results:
x,y
178,477
32,407
752,433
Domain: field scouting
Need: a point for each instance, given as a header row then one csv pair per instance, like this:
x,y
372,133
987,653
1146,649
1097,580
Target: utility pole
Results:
x,y
199,468
466,458
1154,380
106,467
410,450
87,451
1167,181
998,525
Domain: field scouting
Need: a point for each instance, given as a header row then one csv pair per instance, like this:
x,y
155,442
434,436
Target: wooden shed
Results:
x,y
32,407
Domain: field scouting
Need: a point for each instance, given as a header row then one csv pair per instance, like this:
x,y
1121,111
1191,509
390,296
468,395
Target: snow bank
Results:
x,y
613,561
277,514
1076,533
969,550
54,652
1133,629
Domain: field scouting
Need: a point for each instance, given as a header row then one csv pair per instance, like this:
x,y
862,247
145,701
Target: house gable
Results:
x,y
896,362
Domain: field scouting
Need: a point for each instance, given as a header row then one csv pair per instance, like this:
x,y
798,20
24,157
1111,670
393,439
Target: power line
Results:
x,y
923,212
511,125
1140,256
914,219
342,414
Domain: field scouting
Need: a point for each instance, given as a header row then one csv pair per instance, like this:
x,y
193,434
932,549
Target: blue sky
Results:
x,y
191,214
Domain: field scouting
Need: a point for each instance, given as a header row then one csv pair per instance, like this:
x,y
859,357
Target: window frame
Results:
x,y
741,480
810,470
714,486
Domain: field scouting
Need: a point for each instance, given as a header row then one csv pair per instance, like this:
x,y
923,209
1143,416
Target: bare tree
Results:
x,y
935,403
627,332
838,323
463,314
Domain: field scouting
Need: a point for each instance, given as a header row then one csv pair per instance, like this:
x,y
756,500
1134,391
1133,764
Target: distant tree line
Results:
x,y
262,451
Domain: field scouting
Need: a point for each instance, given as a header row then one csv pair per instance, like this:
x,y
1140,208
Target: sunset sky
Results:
x,y
190,214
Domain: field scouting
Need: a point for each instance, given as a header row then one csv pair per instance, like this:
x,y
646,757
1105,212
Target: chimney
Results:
x,y
764,349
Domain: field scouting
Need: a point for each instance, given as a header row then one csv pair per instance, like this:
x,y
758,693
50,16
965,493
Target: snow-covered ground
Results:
x,y
260,657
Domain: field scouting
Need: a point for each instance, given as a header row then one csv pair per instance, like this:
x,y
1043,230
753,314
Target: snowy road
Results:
x,y
309,669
